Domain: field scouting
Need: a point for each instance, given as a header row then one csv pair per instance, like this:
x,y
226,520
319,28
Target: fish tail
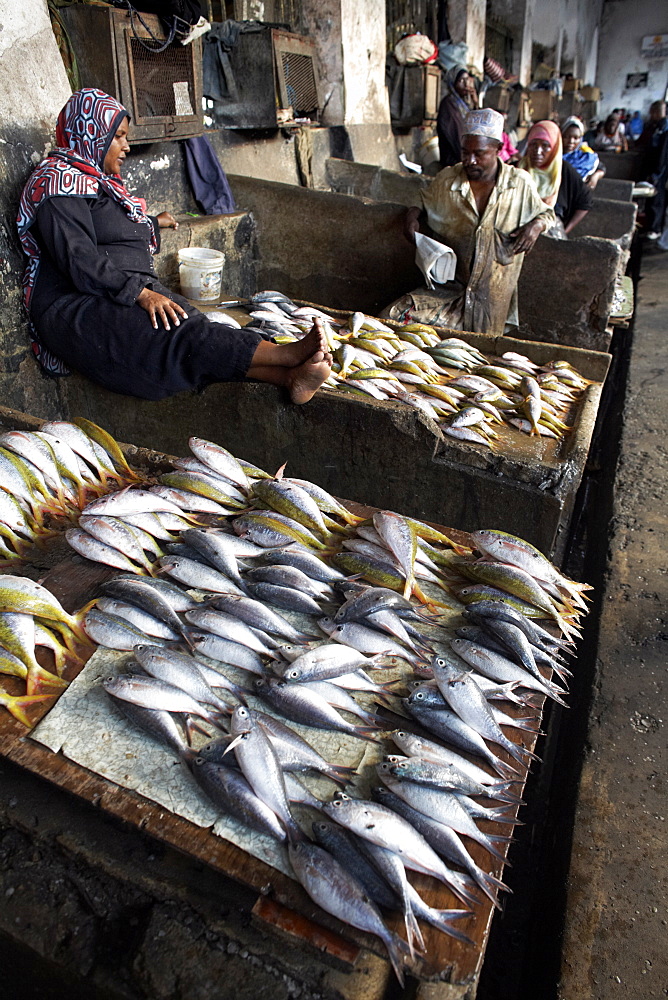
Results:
x,y
399,952
340,773
18,704
39,678
442,920
369,733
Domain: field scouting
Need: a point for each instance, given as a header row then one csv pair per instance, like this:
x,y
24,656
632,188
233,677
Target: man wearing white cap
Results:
x,y
490,214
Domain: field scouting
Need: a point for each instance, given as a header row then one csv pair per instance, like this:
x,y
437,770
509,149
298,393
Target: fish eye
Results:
x,y
401,734
199,760
419,695
293,673
441,662
108,680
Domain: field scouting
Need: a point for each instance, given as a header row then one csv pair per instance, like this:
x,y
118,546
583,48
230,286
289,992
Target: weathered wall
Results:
x,y
566,29
623,26
570,27
466,23
33,89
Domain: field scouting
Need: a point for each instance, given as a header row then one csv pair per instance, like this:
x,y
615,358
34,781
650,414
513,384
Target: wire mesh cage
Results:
x,y
297,76
163,82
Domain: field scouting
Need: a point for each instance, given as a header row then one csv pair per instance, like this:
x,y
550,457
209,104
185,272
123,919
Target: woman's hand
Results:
x,y
167,221
160,307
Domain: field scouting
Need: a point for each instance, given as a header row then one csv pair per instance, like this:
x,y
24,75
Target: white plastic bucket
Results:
x,y
201,273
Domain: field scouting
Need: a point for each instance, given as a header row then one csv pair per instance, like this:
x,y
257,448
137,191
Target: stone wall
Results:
x,y
33,89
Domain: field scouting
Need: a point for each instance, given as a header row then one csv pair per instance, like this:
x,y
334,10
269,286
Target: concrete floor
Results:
x,y
616,933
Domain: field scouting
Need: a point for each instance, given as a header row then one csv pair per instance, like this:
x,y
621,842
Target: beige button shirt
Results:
x,y
485,283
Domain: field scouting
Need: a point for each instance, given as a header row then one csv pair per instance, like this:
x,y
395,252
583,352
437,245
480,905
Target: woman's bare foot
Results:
x,y
292,355
304,380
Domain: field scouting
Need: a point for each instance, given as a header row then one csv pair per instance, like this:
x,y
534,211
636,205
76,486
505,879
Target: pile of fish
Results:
x,y
31,617
47,476
286,617
465,392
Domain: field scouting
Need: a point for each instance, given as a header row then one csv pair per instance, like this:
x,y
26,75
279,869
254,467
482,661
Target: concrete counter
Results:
x,y
383,451
352,254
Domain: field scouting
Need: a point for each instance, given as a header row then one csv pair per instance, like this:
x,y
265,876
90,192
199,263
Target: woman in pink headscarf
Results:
x,y
543,158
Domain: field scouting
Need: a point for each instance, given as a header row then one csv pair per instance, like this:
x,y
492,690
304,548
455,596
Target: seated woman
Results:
x,y
611,138
580,155
90,289
452,110
559,184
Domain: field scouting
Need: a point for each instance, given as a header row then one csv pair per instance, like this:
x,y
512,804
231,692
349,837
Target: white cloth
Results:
x,y
436,261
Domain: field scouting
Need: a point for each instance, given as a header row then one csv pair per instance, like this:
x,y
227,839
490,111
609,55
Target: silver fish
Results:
x,y
500,668
227,651
441,806
231,793
260,766
185,500
145,596
197,575
131,501
255,614
156,723
465,698
182,672
332,888
298,703
290,577
114,632
323,662
216,547
444,841
142,620
220,460
367,640
152,693
374,822
91,548
227,627
284,597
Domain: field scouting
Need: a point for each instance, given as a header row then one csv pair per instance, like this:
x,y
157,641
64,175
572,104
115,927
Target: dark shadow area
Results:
x,y
523,957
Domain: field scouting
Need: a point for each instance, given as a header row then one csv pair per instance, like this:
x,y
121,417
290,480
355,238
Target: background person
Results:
x,y
579,154
452,111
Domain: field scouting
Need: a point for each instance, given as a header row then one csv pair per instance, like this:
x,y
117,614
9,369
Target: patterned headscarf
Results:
x,y
547,177
84,131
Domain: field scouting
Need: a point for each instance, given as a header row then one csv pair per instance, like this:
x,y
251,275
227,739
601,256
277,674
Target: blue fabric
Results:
x,y
207,178
584,160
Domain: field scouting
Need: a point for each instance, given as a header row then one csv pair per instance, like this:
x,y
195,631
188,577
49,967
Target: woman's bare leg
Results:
x,y
302,381
289,355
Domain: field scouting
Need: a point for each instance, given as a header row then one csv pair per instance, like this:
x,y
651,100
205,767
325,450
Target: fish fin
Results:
x,y
38,679
442,921
369,733
17,705
279,472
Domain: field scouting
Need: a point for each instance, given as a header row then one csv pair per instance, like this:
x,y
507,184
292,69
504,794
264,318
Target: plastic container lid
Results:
x,y
202,258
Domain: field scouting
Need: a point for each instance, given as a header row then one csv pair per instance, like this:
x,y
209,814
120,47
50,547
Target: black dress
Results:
x,y
574,195
94,263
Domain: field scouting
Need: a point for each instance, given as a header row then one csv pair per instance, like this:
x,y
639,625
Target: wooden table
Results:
x,y
450,968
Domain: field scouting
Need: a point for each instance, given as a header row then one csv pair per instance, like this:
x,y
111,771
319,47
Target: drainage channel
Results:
x,y
524,952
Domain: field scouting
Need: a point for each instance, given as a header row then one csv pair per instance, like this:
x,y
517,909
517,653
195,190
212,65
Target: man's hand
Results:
x,y
412,223
160,307
526,236
167,221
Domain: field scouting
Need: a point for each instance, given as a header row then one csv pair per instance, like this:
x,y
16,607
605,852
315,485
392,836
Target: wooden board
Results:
x,y
281,903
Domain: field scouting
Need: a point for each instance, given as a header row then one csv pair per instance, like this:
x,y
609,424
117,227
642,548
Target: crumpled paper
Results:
x,y
437,261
